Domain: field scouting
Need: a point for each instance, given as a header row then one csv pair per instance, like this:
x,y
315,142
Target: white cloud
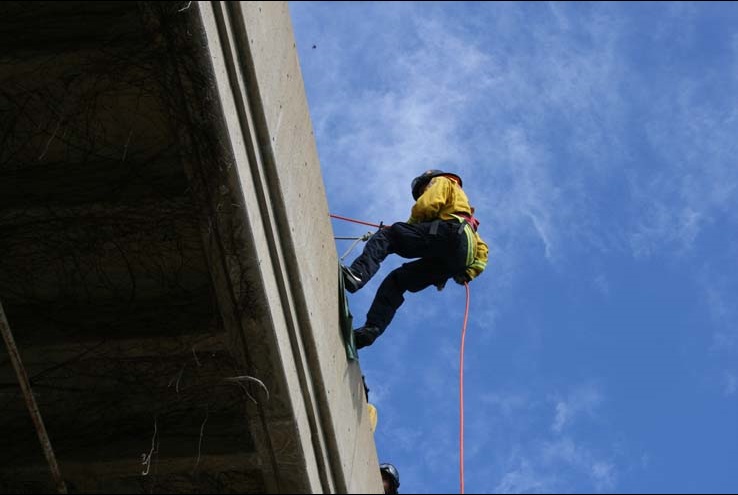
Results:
x,y
446,96
719,289
508,405
553,467
604,475
582,400
731,384
524,479
571,455
539,129
689,177
601,284
563,415
540,462
381,136
661,225
540,124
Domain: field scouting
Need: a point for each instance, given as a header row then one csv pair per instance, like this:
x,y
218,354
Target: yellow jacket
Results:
x,y
443,199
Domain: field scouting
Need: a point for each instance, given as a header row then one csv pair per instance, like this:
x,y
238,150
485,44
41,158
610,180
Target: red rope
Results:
x,y
461,393
355,221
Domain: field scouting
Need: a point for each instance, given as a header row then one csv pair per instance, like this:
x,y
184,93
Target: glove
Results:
x,y
441,285
462,278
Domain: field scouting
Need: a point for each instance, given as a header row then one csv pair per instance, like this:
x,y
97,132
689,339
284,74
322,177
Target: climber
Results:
x,y
441,231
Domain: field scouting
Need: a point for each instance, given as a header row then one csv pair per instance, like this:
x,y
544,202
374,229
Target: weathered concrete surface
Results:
x,y
165,230
310,257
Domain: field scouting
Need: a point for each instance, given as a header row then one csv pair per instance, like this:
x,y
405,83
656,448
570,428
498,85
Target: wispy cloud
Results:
x,y
544,460
661,225
601,283
524,478
381,138
583,400
508,405
452,96
565,451
552,467
577,135
731,384
719,289
690,127
604,475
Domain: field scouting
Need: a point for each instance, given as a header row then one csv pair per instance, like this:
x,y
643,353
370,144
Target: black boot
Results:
x,y
351,279
365,336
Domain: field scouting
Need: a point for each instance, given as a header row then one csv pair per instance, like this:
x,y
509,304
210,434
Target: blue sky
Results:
x,y
598,143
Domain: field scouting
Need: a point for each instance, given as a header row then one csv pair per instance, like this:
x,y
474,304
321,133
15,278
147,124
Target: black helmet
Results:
x,y
423,179
391,471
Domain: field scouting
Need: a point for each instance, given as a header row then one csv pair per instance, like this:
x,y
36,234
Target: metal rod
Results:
x,y
33,410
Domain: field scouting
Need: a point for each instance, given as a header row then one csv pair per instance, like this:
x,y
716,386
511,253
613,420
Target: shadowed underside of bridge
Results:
x,y
103,274
127,271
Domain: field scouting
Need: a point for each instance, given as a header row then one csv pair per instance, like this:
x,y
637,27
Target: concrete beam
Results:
x,y
261,88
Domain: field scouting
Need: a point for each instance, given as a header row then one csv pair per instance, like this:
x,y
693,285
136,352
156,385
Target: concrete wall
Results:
x,y
167,230
262,93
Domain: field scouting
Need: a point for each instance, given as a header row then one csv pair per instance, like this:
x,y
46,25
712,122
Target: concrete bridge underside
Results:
x,y
164,244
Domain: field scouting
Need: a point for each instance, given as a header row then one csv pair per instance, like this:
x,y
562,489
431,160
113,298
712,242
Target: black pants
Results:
x,y
441,247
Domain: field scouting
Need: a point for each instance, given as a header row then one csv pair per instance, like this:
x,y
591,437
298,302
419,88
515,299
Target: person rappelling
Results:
x,y
441,232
